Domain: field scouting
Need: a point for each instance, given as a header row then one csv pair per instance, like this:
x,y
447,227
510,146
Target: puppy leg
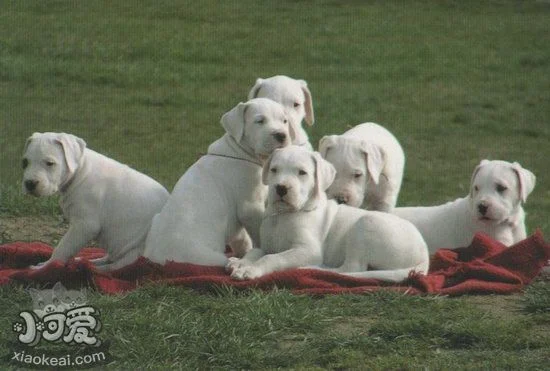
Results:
x,y
241,243
77,236
250,257
382,196
394,275
295,257
98,261
130,257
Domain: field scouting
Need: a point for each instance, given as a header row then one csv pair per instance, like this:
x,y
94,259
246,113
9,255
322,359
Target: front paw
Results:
x,y
39,265
246,272
233,264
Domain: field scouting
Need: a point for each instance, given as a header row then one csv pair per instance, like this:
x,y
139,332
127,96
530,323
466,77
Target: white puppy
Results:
x,y
295,96
493,206
302,227
222,192
103,199
369,164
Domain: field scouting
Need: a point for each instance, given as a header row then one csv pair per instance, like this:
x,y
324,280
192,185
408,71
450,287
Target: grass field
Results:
x,y
146,82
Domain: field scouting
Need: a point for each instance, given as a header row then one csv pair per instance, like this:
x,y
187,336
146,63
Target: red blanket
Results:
x,y
484,267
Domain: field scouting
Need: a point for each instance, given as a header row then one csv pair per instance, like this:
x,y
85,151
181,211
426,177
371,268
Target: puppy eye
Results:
x,y
50,163
273,170
357,175
302,172
476,188
296,104
285,121
501,188
25,163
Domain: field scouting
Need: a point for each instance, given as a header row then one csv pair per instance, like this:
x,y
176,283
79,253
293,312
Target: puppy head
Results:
x,y
50,161
297,179
355,161
259,124
497,190
293,94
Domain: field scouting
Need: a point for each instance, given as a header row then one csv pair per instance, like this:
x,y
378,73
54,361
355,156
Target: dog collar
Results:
x,y
235,158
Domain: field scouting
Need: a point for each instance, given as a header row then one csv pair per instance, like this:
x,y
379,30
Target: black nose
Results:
x,y
280,137
31,184
341,200
281,190
482,208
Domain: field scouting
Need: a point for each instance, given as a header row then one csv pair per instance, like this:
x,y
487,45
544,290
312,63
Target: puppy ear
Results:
x,y
267,165
291,127
308,103
73,149
253,93
326,143
375,160
324,176
526,180
324,173
233,121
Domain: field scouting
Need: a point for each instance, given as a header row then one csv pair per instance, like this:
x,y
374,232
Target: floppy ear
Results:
x,y
267,165
233,121
324,176
308,104
326,143
375,160
253,93
73,149
476,170
526,181
324,173
291,128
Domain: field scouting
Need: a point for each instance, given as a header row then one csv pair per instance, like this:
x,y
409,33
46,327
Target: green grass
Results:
x,y
13,202
146,83
168,327
537,300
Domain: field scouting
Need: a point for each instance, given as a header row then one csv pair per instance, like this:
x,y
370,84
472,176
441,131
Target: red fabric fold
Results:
x,y
484,267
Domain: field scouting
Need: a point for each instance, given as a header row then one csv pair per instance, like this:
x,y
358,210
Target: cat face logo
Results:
x,y
59,314
56,300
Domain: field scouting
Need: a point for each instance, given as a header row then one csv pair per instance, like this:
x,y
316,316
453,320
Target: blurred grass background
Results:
x,y
146,82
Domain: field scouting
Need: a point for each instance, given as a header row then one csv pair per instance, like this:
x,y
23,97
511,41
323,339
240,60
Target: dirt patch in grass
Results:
x,y
502,306
349,325
32,228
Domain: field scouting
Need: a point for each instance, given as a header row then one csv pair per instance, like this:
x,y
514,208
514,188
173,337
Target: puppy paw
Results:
x,y
39,265
247,272
233,263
